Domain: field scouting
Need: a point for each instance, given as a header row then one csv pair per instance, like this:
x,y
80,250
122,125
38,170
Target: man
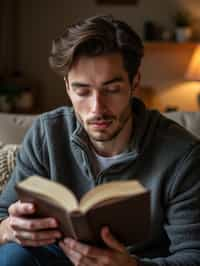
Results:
x,y
106,135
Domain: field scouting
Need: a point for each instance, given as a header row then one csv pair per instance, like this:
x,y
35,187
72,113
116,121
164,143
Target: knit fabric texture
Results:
x,y
7,162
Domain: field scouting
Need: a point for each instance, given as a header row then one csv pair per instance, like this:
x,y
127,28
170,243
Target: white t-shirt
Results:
x,y
105,162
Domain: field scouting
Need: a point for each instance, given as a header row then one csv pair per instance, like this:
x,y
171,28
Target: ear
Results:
x,y
67,91
136,83
66,83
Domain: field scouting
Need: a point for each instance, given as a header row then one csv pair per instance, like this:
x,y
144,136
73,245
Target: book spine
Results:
x,y
81,228
67,226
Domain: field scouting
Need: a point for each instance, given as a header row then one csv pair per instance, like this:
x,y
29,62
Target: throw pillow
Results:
x,y
7,162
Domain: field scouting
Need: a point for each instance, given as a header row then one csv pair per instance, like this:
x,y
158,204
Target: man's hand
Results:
x,y
85,255
27,231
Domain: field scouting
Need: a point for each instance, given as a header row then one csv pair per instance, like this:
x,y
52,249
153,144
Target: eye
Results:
x,y
113,89
82,91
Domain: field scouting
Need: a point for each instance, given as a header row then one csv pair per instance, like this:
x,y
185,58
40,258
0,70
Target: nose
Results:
x,y
98,103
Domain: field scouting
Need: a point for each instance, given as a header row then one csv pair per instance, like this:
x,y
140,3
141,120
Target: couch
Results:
x,y
12,130
14,126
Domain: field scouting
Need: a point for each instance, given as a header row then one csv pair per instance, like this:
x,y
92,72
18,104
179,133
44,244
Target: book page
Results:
x,y
110,191
50,190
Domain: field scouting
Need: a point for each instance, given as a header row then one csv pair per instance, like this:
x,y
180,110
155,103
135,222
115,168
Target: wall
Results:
x,y
41,21
7,35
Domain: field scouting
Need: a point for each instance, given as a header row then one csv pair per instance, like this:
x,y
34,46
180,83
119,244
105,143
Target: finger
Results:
x,y
37,236
77,258
19,208
84,249
73,255
33,243
32,224
110,241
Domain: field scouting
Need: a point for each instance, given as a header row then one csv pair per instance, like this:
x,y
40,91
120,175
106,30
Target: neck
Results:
x,y
116,145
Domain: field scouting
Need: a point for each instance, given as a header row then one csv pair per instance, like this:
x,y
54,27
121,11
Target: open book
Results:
x,y
124,206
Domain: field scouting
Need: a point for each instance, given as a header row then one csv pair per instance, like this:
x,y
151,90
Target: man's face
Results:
x,y
100,92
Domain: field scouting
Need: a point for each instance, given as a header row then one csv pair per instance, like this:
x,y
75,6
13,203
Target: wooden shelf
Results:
x,y
156,46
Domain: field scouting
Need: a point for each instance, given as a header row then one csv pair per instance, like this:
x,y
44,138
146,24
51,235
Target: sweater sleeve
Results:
x,y
30,161
182,214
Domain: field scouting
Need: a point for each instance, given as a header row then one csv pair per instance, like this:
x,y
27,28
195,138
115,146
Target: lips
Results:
x,y
100,124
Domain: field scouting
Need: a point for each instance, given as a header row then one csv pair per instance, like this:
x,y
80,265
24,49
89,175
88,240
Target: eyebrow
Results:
x,y
77,84
117,79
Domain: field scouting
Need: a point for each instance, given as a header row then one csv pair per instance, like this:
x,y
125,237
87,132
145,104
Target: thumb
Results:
x,y
110,241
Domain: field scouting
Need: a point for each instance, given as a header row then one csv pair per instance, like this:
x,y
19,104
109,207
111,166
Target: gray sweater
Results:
x,y
163,157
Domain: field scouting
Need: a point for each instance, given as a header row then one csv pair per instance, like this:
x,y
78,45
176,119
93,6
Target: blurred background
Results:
x,y
170,30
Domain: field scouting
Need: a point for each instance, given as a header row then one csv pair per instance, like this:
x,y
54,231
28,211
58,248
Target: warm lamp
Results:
x,y
193,70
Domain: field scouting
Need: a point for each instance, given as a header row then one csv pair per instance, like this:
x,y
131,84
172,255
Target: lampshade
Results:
x,y
193,70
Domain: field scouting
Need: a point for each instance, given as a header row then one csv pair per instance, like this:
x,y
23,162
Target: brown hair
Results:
x,y
95,36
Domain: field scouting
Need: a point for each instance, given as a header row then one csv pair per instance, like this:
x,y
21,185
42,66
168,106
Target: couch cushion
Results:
x,y
189,120
13,127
